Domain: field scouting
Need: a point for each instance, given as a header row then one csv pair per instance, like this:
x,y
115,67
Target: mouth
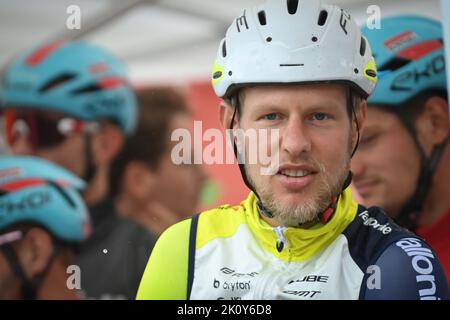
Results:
x,y
365,187
295,178
295,173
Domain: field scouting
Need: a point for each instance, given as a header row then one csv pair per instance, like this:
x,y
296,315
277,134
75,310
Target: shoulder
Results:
x,y
166,273
221,222
370,233
397,264
178,230
406,269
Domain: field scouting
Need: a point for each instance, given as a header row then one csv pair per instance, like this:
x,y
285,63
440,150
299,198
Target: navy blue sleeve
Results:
x,y
406,270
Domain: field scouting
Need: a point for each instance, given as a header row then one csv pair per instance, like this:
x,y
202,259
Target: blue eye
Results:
x,y
270,116
320,116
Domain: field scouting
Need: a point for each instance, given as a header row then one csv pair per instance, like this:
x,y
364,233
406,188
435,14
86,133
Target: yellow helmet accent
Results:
x,y
217,74
370,71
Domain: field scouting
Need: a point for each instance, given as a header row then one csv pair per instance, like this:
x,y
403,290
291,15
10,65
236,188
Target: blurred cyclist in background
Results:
x,y
150,188
403,163
71,103
42,220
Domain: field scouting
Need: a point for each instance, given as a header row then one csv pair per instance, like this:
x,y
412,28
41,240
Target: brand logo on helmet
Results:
x,y
345,16
33,200
241,22
408,80
100,106
400,40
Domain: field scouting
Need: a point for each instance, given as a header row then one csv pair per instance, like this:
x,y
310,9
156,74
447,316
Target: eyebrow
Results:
x,y
321,105
326,105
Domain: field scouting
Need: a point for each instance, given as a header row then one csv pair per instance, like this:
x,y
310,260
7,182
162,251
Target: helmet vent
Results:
x,y
291,65
224,49
63,193
395,64
57,81
87,89
262,18
322,18
362,47
292,6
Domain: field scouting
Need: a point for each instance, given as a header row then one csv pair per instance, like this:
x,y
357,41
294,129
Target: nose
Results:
x,y
295,138
357,165
21,146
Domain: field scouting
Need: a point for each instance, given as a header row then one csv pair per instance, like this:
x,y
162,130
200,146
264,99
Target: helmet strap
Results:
x,y
90,169
352,107
238,155
410,212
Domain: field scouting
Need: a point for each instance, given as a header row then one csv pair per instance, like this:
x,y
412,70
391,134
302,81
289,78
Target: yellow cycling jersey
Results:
x,y
231,253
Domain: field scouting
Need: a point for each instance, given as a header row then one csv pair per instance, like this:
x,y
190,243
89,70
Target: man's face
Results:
x,y
178,185
68,154
314,147
386,165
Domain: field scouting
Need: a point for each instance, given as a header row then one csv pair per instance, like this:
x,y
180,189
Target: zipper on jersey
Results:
x,y
281,241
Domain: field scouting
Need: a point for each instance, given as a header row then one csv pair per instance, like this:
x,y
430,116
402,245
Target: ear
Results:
x,y
107,144
34,251
138,180
362,114
360,118
432,124
226,113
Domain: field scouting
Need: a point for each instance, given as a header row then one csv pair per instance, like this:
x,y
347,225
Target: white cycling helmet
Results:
x,y
293,41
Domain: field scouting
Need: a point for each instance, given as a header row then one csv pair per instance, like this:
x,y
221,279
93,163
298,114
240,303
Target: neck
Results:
x,y
437,201
98,187
54,286
125,205
142,213
271,221
275,223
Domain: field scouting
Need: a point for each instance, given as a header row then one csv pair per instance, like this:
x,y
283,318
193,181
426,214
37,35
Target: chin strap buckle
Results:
x,y
328,213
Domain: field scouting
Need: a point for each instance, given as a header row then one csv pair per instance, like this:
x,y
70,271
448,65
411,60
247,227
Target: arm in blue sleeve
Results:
x,y
407,269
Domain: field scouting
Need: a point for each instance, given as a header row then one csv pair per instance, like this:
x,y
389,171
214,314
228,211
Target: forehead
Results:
x,y
294,95
378,118
181,119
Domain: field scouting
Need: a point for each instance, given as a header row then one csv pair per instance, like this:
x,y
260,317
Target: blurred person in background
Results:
x,y
149,187
72,103
403,163
43,220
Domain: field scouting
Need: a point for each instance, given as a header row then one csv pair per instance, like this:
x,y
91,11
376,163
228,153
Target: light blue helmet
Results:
x,y
35,191
74,78
409,53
